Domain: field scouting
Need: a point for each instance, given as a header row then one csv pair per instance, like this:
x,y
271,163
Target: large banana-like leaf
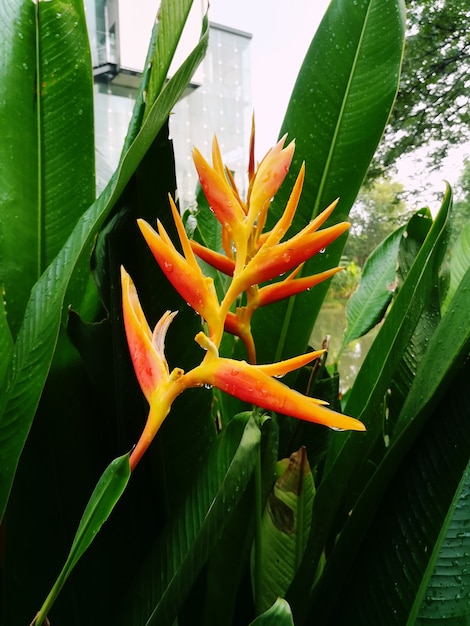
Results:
x,y
395,563
370,387
447,593
337,113
367,305
47,147
176,559
37,336
443,452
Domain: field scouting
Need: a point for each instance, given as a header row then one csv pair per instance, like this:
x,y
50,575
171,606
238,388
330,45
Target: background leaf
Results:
x,y
437,370
366,307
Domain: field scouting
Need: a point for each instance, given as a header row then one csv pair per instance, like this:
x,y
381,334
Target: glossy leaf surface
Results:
x,y
47,148
423,496
367,305
337,124
337,489
277,615
447,594
38,334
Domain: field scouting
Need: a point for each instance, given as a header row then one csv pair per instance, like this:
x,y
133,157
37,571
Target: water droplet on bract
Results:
x,y
168,266
207,386
235,371
264,392
286,257
322,251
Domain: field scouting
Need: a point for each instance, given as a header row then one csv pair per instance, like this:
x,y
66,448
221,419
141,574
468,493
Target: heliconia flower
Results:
x,y
252,259
183,272
146,348
223,199
215,259
291,286
269,176
250,383
159,386
274,261
239,324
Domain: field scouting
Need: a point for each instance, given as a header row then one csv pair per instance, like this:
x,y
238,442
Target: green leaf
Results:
x,y
449,449
6,344
278,615
447,349
417,230
368,304
285,528
415,234
38,334
459,262
386,352
227,586
47,147
448,591
341,481
176,559
102,501
171,20
337,113
425,476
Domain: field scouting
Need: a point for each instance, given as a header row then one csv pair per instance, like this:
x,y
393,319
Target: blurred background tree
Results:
x,y
432,106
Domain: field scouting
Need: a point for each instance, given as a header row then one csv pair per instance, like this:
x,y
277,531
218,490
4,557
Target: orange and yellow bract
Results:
x,y
250,257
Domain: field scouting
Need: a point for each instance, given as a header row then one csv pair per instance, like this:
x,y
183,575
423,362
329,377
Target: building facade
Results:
x,y
218,100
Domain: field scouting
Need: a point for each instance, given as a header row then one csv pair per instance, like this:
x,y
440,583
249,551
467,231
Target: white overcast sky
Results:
x,y
282,32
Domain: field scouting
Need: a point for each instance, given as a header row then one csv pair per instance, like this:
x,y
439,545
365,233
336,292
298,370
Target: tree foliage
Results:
x,y
378,211
431,109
